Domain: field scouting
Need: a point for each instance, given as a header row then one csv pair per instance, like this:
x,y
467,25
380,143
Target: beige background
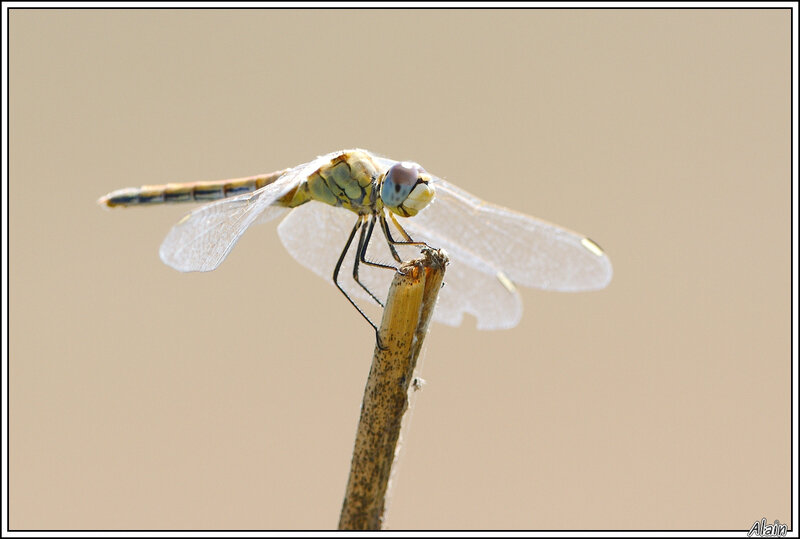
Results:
x,y
145,398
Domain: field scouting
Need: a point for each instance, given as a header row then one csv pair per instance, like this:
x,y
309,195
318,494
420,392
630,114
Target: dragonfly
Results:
x,y
491,249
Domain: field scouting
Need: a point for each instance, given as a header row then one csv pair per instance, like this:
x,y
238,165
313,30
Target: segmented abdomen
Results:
x,y
187,192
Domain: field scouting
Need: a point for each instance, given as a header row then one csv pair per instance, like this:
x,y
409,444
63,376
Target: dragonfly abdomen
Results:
x,y
171,193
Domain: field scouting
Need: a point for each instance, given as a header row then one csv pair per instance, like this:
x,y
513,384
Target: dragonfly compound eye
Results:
x,y
406,189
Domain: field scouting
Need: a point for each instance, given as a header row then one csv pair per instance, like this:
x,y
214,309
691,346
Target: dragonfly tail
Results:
x,y
171,193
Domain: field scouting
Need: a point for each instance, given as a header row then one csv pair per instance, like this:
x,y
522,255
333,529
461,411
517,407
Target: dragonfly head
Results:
x,y
406,189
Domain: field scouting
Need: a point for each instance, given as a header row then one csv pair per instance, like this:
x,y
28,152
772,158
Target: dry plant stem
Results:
x,y
409,308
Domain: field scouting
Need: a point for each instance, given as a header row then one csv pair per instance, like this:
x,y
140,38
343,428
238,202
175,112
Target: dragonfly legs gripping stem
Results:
x,y
392,242
365,230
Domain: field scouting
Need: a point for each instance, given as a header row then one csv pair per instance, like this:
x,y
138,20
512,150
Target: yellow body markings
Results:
x,y
349,181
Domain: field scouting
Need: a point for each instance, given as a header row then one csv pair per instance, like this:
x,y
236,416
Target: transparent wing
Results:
x,y
315,234
528,251
474,289
203,238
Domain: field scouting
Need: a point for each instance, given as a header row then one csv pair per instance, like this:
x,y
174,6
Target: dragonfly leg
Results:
x,y
392,242
371,227
389,239
402,230
363,241
338,267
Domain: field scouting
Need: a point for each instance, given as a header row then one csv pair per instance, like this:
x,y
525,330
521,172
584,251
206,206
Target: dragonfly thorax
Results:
x,y
353,180
349,180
